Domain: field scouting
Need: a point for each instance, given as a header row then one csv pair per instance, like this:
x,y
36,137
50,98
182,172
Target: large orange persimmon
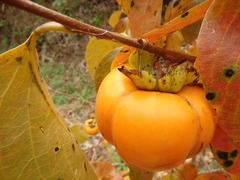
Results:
x,y
153,130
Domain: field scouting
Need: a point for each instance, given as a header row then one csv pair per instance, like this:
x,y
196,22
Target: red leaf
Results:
x,y
218,62
217,175
225,151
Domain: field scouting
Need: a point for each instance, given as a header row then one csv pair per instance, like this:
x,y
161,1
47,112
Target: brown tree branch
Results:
x,y
80,27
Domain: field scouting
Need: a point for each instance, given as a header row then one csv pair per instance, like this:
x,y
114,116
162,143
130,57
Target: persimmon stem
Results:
x,y
83,28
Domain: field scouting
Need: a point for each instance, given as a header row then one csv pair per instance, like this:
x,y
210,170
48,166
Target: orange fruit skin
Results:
x,y
152,130
90,127
196,98
111,90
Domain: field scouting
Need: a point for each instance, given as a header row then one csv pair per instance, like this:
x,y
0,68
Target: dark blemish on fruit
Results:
x,y
68,129
184,15
149,80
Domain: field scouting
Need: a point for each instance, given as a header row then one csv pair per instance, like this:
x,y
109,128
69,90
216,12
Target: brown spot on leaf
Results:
x,y
229,73
184,15
56,149
227,163
226,157
125,51
41,128
222,155
132,3
211,96
234,153
76,141
176,3
164,81
73,147
19,59
85,166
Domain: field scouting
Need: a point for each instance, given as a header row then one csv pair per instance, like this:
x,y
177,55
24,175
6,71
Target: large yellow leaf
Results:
x,y
34,140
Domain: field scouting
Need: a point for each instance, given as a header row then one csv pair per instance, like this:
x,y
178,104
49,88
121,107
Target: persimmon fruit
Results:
x,y
152,130
90,127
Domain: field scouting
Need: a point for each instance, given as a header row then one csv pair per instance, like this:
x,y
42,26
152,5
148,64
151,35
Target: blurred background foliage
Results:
x,y
61,56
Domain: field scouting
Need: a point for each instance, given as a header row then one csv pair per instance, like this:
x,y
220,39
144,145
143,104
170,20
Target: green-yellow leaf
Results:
x,y
79,133
95,51
34,140
104,66
114,18
169,176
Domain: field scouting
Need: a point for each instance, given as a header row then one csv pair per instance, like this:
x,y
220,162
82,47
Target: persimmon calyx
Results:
x,y
176,77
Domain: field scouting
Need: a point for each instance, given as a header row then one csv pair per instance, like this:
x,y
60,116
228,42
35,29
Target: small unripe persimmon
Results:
x,y
90,127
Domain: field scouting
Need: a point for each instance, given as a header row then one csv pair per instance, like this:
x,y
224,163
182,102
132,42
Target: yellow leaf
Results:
x,y
114,18
95,51
79,133
34,140
125,4
169,176
103,67
174,42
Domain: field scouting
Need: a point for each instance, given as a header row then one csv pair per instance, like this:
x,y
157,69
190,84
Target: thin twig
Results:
x,y
204,162
80,27
81,99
